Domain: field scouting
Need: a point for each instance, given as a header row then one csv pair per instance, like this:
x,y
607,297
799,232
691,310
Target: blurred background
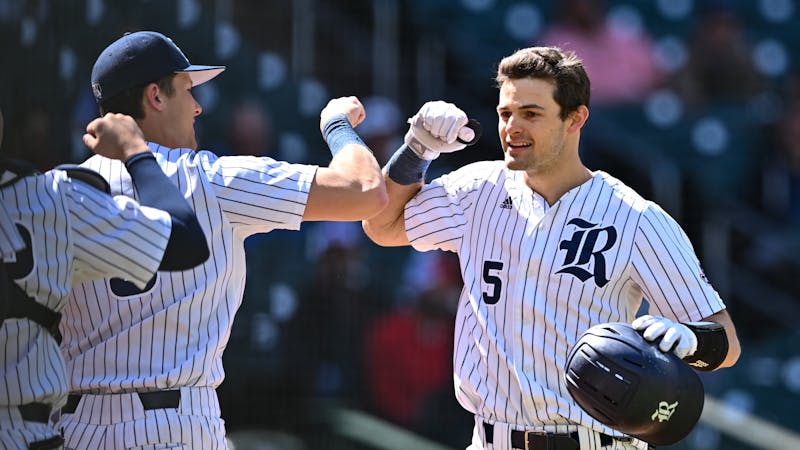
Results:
x,y
340,344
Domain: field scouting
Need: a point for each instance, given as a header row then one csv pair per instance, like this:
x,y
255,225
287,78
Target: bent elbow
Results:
x,y
374,197
201,254
187,247
198,252
374,233
379,199
384,234
734,352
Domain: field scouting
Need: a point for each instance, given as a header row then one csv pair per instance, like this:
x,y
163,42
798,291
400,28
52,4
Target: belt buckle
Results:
x,y
528,433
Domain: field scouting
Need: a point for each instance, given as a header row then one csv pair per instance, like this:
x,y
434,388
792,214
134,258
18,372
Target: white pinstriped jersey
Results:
x,y
173,334
10,240
537,276
75,233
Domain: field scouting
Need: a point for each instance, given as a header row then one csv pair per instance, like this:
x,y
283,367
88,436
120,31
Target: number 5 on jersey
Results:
x,y
493,283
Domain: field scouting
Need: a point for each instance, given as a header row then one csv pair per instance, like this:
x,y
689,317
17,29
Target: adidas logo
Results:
x,y
507,203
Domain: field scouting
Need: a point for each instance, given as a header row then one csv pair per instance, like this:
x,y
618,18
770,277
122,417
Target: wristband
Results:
x,y
338,133
406,167
712,346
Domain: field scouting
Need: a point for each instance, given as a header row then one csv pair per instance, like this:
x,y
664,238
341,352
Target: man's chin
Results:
x,y
514,164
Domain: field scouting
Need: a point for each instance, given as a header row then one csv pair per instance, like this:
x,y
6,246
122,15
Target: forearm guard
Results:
x,y
712,346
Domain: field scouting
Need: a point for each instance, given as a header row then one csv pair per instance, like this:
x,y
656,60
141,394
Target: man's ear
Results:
x,y
153,98
577,119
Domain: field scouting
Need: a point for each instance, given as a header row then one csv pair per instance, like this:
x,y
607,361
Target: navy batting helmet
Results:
x,y
627,383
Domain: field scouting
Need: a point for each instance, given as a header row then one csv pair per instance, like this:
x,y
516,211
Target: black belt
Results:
x,y
541,440
35,412
150,400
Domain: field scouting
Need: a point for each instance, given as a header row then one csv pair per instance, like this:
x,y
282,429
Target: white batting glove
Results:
x,y
672,334
435,128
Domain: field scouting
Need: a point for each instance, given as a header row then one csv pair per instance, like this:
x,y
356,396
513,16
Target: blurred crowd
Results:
x,y
695,103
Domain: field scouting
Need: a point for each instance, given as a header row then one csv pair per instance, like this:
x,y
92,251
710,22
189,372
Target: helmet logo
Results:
x,y
699,364
664,411
96,90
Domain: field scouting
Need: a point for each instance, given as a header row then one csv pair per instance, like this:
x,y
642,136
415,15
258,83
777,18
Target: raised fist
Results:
x,y
115,136
349,106
435,129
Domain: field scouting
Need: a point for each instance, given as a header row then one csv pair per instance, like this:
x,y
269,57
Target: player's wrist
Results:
x,y
406,166
338,133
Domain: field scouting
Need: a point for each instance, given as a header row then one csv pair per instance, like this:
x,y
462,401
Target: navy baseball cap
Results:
x,y
139,58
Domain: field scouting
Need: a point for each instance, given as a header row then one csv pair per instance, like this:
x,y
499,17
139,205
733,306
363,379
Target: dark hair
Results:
x,y
564,69
129,101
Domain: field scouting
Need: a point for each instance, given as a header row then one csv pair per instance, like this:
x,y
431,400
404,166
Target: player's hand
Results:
x,y
674,336
115,136
349,106
435,129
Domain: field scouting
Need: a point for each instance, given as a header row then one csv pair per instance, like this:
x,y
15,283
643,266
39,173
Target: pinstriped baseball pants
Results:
x,y
119,421
16,433
589,439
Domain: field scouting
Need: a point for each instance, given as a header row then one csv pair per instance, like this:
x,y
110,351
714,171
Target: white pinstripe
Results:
x,y
75,234
10,240
15,433
509,354
173,335
116,421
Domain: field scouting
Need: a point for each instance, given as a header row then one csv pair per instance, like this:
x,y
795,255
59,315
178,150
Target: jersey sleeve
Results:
x,y
115,237
668,271
436,217
259,192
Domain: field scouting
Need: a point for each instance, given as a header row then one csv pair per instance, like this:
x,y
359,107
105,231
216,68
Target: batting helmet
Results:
x,y
627,383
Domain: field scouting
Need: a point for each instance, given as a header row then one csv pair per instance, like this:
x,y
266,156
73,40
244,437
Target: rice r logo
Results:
x,y
664,411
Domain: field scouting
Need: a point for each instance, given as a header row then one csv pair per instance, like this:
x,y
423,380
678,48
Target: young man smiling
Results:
x,y
548,248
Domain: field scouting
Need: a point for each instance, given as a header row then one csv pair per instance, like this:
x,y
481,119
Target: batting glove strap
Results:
x,y
418,147
712,346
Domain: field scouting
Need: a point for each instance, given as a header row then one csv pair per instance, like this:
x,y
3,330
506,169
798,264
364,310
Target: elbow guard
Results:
x,y
712,346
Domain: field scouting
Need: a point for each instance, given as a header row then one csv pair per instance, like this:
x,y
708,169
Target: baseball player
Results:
x,y
62,230
547,249
143,364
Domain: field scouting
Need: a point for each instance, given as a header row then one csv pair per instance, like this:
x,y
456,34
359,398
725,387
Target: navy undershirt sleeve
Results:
x,y
187,246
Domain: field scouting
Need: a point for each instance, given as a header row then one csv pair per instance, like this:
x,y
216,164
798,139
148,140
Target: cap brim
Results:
x,y
201,74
